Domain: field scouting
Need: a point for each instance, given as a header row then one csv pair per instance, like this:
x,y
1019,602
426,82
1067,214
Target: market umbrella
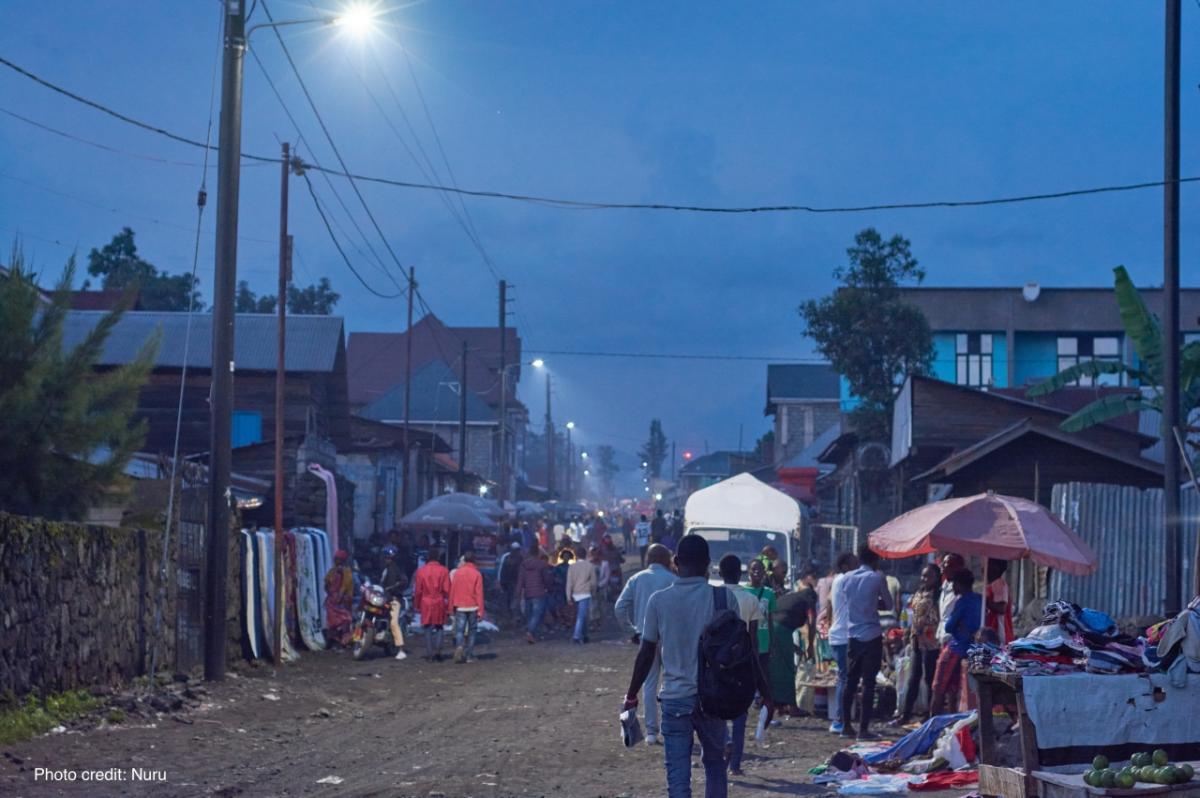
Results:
x,y
477,503
435,514
987,525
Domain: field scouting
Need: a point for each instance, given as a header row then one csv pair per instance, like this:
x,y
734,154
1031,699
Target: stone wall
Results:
x,y
77,604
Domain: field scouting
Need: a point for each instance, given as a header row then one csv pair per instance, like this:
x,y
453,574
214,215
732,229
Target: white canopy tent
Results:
x,y
743,502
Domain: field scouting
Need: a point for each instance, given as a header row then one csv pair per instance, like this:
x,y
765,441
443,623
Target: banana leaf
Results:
x,y
1189,365
1087,369
1104,409
1140,324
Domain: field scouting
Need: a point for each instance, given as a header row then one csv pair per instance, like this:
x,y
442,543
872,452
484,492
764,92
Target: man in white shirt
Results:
x,y
951,564
631,608
839,638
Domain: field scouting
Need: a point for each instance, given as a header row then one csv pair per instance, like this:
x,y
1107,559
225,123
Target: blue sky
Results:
x,y
733,103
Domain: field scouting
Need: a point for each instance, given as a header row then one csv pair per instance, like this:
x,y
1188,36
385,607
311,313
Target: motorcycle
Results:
x,y
374,623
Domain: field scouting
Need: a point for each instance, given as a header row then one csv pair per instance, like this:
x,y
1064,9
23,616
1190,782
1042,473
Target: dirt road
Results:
x,y
523,721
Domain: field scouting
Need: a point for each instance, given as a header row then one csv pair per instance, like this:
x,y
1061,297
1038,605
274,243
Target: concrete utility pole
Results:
x,y
503,394
1170,319
285,263
462,421
220,460
549,444
408,336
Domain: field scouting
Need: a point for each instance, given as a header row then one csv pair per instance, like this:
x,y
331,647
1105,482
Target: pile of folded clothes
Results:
x,y
1071,639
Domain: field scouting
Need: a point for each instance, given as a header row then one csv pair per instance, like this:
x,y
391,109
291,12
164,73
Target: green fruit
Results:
x,y
1100,762
1108,778
1125,780
1160,758
1125,771
1147,759
1089,778
1188,770
1162,775
1140,760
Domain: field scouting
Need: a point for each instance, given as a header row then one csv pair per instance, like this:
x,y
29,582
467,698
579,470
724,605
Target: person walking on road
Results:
x,y
641,533
658,528
675,619
631,608
580,585
838,619
751,612
864,593
431,597
533,585
765,597
466,601
509,568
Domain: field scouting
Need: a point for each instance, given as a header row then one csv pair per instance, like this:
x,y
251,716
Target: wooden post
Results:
x,y
280,381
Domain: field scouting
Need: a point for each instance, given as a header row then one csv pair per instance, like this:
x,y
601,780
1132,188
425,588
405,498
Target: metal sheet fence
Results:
x,y
1124,526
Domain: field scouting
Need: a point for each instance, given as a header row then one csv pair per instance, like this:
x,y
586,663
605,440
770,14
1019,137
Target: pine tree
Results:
x,y
67,429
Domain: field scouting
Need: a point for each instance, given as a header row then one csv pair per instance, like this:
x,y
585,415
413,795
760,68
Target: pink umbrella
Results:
x,y
987,525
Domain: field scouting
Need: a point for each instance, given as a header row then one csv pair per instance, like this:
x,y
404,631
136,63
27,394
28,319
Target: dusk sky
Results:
x,y
698,103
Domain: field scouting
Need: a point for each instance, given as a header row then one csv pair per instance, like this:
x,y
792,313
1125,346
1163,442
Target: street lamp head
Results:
x,y
357,18
645,464
658,497
584,455
587,473
483,489
570,425
538,363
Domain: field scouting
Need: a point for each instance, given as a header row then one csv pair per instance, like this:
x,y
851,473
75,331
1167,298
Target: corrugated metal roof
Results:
x,y
435,398
312,341
801,381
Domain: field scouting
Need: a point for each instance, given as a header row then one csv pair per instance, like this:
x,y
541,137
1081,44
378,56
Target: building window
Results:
x,y
1073,350
973,359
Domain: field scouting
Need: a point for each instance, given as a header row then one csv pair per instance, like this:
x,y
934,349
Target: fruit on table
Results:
x,y
1188,770
1125,780
1160,758
1100,762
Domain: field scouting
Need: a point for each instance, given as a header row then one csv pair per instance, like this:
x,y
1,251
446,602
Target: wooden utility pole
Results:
x,y
1172,557
406,477
285,257
503,394
549,444
462,421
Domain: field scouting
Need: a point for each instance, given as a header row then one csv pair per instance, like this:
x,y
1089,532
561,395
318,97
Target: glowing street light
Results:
x,y
587,473
538,363
584,455
483,490
658,497
645,464
570,425
358,19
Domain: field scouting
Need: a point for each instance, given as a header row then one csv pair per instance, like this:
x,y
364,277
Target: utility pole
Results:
x,y
570,475
672,461
503,394
285,262
462,421
220,514
1172,557
408,336
549,443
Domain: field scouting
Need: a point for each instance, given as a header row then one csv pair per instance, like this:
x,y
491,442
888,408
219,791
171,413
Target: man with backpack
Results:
x,y
751,613
708,673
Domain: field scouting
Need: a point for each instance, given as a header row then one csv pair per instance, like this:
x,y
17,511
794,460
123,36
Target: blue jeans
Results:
x,y
738,740
843,665
680,718
465,624
581,618
534,610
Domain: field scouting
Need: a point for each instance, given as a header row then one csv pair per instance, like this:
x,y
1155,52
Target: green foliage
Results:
x,y
67,429
21,720
654,451
247,302
315,300
764,445
1145,332
119,266
871,336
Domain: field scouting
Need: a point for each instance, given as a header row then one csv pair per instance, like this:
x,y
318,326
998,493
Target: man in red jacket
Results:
x,y
431,593
466,601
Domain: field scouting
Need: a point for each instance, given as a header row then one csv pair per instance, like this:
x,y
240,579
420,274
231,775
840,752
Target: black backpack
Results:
x,y
726,682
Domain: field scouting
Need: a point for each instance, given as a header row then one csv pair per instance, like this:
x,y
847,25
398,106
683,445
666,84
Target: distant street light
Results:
x,y
538,363
584,455
570,425
658,497
587,473
483,490
645,464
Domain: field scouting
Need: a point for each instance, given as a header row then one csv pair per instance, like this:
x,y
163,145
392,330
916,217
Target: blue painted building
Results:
x,y
1016,337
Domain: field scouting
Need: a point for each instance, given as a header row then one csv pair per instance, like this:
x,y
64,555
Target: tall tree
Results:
x,y
119,266
764,447
871,336
67,430
315,300
606,459
654,451
247,301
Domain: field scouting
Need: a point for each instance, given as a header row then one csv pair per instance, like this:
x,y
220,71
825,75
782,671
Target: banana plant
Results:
x,y
1145,333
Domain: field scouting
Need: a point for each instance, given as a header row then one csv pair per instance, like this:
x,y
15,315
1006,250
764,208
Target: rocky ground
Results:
x,y
521,721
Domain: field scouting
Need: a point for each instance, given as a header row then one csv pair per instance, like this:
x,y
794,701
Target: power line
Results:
x,y
336,244
574,204
329,138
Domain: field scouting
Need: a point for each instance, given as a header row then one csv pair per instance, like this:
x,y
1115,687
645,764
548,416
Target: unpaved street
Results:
x,y
524,721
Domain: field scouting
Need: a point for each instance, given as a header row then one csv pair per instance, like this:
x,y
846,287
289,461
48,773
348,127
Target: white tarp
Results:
x,y
742,502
